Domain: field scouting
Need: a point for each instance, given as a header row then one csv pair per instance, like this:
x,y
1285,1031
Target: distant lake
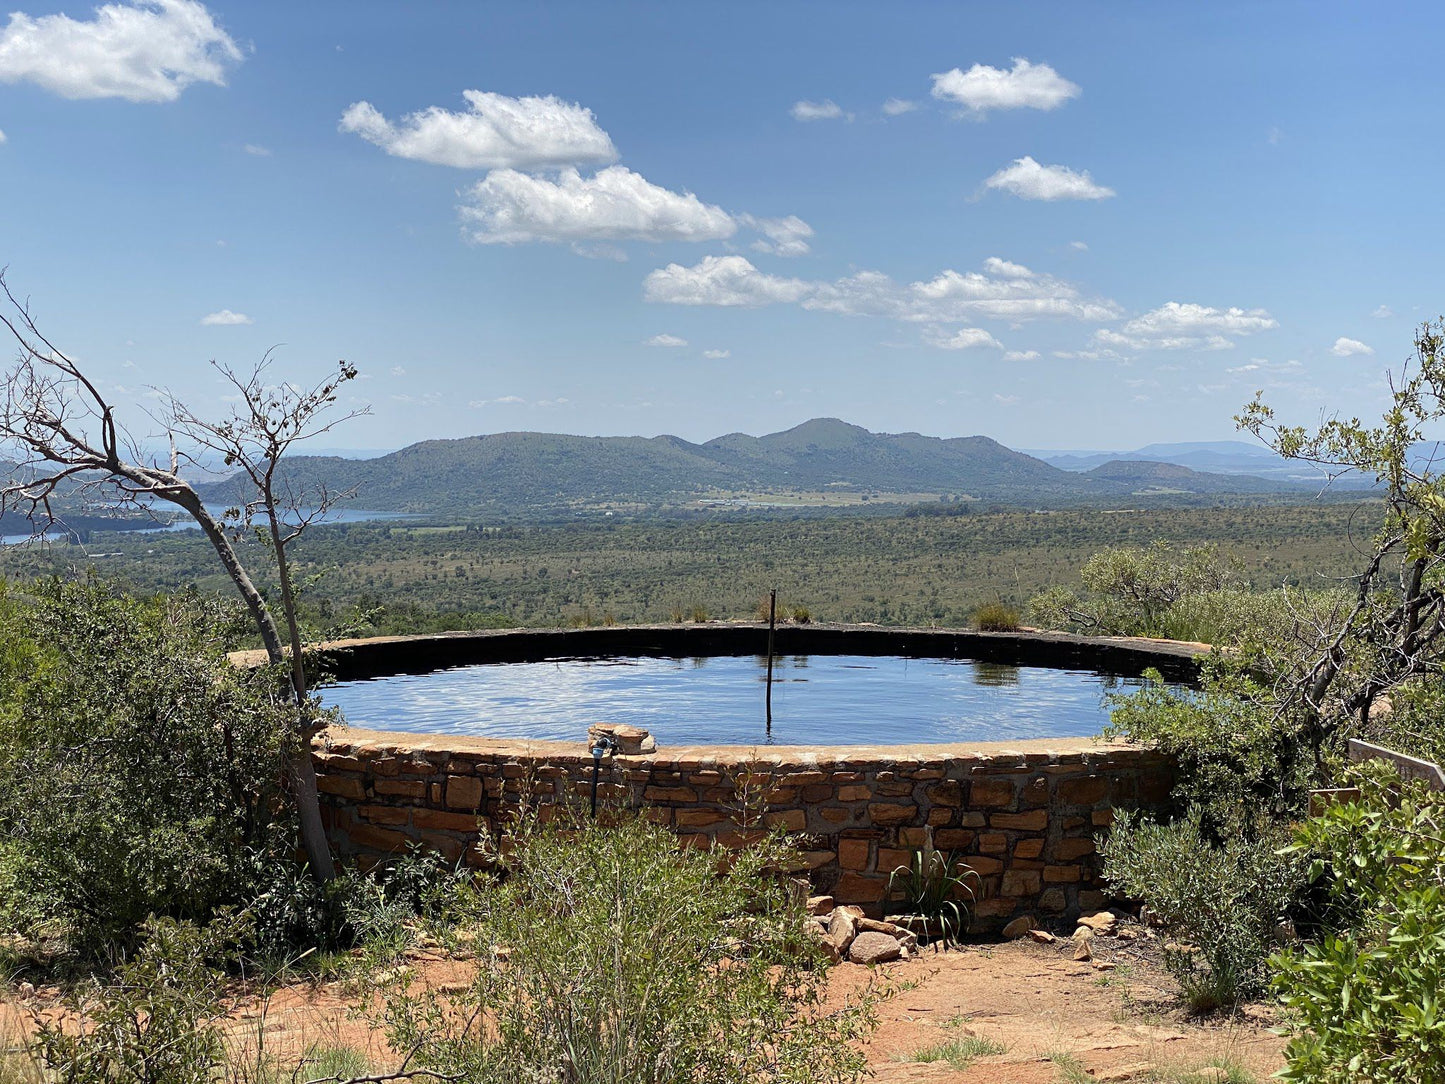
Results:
x,y
185,523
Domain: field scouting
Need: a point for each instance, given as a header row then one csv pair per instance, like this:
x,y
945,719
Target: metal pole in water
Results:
x,y
772,626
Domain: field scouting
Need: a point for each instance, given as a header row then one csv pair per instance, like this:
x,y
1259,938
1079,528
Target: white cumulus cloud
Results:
x,y
717,355
1024,86
1347,348
966,338
1021,355
665,340
824,110
1028,179
1187,326
495,132
225,318
257,150
781,236
1003,290
148,51
896,107
1383,312
615,204
726,281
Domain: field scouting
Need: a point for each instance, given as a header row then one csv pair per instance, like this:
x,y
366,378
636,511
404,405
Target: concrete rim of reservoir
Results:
x,y
382,656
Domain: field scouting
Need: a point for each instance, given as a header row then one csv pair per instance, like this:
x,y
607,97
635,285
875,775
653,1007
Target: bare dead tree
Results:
x,y
68,443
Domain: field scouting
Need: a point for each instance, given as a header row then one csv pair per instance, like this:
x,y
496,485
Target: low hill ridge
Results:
x,y
518,471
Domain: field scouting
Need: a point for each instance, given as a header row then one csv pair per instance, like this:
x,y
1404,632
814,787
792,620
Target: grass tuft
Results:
x,y
960,1052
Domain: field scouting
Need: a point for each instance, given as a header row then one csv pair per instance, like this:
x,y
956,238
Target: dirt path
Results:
x,y
1116,1022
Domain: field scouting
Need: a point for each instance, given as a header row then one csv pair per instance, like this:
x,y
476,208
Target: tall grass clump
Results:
x,y
996,617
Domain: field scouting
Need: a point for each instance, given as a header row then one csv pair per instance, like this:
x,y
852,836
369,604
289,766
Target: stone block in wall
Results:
x,y
1062,874
948,792
1035,793
464,792
1090,790
853,854
860,888
992,793
1035,820
342,786
444,821
384,814
1067,850
891,813
1029,848
378,839
1021,882
854,793
400,788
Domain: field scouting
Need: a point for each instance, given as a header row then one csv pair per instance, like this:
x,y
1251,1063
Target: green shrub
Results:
x,y
139,772
1365,996
157,1022
1223,901
996,617
1233,748
609,955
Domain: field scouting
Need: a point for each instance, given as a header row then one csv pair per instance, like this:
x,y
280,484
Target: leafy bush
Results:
x,y
1129,590
1365,997
1233,749
608,955
139,772
158,1022
996,617
1223,901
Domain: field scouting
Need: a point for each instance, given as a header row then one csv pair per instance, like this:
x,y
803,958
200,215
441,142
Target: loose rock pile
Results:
x,y
845,933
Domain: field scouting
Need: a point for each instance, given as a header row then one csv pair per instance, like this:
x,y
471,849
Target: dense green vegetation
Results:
x,y
919,569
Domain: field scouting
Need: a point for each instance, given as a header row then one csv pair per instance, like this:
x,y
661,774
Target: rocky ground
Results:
x,y
1021,1011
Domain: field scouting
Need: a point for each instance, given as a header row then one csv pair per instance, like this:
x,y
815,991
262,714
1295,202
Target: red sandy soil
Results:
x,y
1034,999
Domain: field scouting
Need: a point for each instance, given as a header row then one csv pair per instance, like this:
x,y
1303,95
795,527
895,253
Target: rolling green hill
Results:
x,y
514,473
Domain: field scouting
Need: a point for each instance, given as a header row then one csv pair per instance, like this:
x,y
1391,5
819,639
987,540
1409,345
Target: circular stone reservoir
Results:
x,y
708,685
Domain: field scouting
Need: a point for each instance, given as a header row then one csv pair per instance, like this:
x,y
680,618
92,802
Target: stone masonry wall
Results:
x,y
1024,815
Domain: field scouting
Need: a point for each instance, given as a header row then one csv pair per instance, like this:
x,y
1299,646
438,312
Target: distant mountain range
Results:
x,y
518,473
1215,456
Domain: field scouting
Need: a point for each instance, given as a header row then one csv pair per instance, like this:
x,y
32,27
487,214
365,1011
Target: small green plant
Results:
x,y
801,615
959,1052
698,613
996,617
1223,902
1068,1069
935,886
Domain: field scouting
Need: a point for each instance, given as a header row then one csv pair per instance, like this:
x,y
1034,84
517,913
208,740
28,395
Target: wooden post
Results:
x,y
772,625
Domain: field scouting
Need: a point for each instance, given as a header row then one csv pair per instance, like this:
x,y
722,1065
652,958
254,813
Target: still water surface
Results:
x,y
817,699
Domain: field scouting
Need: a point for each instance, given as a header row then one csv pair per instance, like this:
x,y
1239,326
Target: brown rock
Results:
x,y
1082,949
1043,937
905,937
1100,922
820,905
842,929
874,948
1019,927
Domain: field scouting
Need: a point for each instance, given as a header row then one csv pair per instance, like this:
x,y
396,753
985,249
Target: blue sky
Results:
x,y
1075,225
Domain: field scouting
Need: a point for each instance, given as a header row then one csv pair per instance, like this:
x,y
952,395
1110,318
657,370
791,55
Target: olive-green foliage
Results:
x,y
1130,590
1222,899
156,1022
996,617
139,773
1232,750
609,955
1365,997
894,570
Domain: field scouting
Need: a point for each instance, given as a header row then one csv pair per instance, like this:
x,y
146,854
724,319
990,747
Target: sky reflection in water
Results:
x,y
818,699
